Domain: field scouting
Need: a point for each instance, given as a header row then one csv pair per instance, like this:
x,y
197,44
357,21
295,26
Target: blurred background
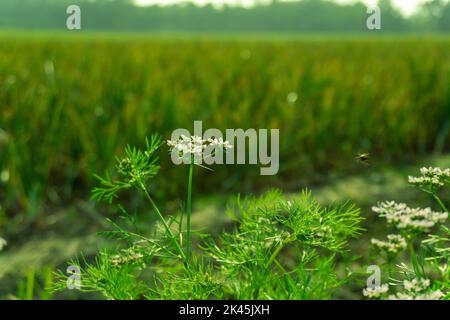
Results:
x,y
70,100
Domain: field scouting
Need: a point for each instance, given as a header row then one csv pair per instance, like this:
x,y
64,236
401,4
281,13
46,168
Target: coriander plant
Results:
x,y
278,248
425,237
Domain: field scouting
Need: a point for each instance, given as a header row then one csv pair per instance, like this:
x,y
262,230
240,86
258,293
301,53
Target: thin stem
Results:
x,y
166,226
414,261
441,204
189,209
389,259
277,251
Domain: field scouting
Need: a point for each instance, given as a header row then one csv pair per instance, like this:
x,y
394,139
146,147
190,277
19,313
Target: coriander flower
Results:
x,y
432,295
394,243
187,146
127,256
416,285
375,292
413,219
431,177
118,260
417,289
219,143
195,145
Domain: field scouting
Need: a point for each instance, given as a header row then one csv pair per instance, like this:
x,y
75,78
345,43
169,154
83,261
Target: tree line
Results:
x,y
299,16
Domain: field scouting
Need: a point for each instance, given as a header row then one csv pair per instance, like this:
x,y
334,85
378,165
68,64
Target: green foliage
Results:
x,y
134,170
113,280
200,281
36,285
278,249
270,225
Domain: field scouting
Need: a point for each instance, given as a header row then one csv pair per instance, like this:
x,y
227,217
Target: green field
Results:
x,y
69,105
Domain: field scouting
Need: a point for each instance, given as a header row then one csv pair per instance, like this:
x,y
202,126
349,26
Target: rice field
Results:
x,y
70,105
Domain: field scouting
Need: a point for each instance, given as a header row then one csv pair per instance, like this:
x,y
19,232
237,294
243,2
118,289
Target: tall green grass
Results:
x,y
68,105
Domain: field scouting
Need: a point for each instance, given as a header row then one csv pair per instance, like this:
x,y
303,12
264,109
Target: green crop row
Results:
x,y
68,106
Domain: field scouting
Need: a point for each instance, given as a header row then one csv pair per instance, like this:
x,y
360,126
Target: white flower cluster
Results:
x,y
278,239
416,285
3,243
394,243
118,260
417,289
375,292
432,295
195,145
435,177
403,217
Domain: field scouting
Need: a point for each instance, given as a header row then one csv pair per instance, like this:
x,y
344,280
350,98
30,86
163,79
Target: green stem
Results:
x,y
412,253
166,226
188,210
389,266
277,251
441,204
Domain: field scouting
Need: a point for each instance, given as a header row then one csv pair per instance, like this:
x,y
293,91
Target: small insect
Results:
x,y
363,158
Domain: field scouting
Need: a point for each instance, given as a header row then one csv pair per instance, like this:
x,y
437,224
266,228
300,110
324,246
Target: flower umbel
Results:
x,y
431,177
394,244
417,289
414,219
376,292
194,146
